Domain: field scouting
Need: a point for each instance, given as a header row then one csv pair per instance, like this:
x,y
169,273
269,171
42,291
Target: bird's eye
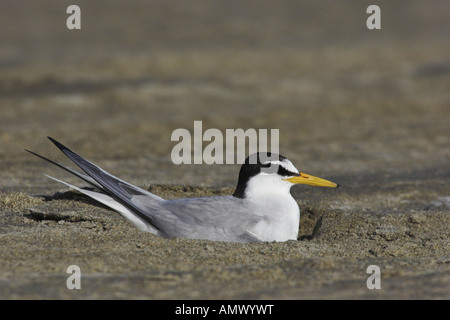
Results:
x,y
286,173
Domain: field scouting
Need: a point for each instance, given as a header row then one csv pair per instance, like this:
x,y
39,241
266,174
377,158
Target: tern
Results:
x,y
260,209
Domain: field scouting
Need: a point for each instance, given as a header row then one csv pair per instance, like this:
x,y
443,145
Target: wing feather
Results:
x,y
118,189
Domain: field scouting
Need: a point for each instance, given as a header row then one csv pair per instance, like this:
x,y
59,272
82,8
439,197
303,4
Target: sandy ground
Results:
x,y
366,109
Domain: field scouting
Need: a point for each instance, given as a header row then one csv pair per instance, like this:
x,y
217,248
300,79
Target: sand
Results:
x,y
366,109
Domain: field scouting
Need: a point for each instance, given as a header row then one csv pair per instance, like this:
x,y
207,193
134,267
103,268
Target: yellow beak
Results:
x,y
304,178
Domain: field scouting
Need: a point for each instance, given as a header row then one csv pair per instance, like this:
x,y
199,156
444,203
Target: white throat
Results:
x,y
263,185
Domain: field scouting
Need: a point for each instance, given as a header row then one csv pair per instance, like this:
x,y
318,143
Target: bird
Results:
x,y
261,209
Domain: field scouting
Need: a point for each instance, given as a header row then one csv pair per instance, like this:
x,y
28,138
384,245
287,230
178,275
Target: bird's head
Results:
x,y
269,173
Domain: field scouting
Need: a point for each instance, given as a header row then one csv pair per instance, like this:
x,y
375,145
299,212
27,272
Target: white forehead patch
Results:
x,y
286,164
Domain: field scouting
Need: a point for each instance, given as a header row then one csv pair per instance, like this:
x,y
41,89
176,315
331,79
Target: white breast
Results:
x,y
269,197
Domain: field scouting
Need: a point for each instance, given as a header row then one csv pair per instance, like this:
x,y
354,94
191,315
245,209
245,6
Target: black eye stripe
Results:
x,y
253,166
286,173
282,171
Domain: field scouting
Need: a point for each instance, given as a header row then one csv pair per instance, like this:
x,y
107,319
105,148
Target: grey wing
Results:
x,y
222,218
120,190
212,218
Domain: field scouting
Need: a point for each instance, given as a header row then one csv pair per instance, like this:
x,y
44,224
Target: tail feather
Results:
x,y
113,204
80,175
118,193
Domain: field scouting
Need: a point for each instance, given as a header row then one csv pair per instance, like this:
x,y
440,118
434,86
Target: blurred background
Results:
x,y
353,105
